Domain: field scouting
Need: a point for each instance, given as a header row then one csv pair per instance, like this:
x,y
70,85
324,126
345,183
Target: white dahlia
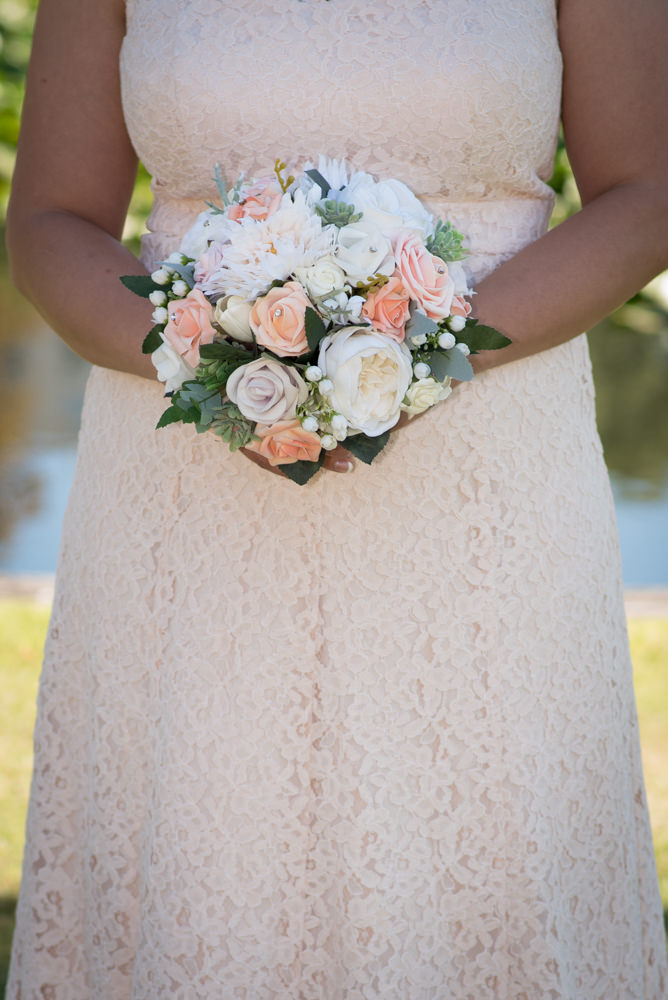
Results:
x,y
261,252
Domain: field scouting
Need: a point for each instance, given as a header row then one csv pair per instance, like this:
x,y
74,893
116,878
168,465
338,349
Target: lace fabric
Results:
x,y
375,737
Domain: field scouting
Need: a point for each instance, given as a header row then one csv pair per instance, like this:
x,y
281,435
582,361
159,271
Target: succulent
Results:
x,y
446,242
231,425
337,213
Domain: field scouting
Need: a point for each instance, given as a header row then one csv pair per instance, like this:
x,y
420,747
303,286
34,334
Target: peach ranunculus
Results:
x,y
460,307
388,309
424,275
189,325
277,320
284,442
260,201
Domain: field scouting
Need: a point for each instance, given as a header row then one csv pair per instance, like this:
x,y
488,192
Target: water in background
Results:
x,y
42,384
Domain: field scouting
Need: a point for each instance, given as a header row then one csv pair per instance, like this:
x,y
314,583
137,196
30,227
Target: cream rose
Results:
x,y
370,374
277,320
363,251
388,204
170,366
266,391
423,394
232,315
322,278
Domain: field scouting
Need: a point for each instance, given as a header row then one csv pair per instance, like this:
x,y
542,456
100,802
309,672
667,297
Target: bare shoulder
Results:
x,y
615,94
74,152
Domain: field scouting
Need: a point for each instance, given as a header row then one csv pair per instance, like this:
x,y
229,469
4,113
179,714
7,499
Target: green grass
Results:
x,y
22,630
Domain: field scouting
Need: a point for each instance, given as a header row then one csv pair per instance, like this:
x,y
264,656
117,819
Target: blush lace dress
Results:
x,y
374,738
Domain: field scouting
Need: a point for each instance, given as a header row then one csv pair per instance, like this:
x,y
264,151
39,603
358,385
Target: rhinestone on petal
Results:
x,y
278,312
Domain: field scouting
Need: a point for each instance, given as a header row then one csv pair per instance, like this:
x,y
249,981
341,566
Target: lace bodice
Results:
x,y
459,100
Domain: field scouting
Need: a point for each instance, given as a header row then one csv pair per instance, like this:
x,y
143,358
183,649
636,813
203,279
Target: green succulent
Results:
x,y
446,242
337,213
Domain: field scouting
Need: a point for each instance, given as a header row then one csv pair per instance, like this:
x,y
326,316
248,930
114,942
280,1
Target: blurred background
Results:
x,y
42,382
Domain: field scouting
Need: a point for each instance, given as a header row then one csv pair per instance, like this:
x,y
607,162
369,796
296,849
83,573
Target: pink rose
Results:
x,y
425,276
208,267
286,442
459,306
189,325
277,320
388,309
261,201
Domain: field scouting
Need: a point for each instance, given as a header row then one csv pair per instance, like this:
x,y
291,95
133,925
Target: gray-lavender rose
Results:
x,y
266,390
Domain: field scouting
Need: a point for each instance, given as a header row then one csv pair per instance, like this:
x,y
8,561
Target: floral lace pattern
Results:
x,y
376,739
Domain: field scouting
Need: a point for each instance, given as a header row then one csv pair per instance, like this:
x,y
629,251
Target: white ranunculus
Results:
x,y
425,393
171,368
363,251
321,278
232,315
388,204
370,374
266,390
208,226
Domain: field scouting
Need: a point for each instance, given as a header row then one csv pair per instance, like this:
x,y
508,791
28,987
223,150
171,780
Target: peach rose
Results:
x,y
189,325
261,201
425,276
277,320
388,309
285,442
459,306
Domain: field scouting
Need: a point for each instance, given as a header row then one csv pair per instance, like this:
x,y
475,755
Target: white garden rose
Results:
x,y
232,314
266,390
425,393
322,278
370,374
389,204
171,368
208,226
363,251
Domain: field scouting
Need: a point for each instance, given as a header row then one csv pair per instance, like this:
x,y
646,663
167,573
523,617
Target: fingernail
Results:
x,y
344,466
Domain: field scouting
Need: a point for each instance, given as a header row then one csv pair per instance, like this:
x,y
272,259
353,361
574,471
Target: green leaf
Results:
x,y
171,416
452,363
315,328
223,350
141,284
316,176
482,338
152,340
418,324
364,447
301,472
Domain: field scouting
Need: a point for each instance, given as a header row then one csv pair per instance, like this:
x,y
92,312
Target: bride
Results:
x,y
374,737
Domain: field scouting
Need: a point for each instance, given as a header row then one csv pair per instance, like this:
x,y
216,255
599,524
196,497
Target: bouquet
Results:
x,y
305,311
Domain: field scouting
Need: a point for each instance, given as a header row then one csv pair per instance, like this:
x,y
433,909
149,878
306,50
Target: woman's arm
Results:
x,y
73,180
615,116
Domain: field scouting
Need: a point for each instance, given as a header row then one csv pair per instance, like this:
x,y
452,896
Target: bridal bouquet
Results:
x,y
306,311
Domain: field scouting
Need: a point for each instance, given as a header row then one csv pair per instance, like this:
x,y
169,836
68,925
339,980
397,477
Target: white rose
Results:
x,y
232,315
171,368
458,276
423,394
389,204
208,226
322,278
266,390
363,251
370,374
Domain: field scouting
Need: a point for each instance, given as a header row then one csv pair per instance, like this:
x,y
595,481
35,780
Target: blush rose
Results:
x,y
286,442
424,275
388,309
277,320
189,326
